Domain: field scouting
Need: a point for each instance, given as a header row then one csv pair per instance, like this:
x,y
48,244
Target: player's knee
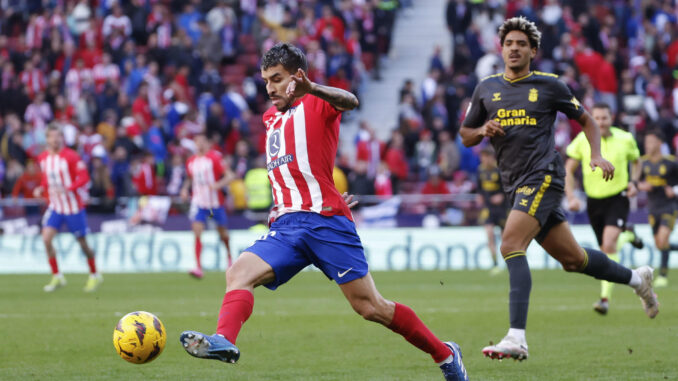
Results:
x,y
509,246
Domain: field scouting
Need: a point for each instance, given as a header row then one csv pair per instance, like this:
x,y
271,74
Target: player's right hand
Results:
x,y
184,194
492,128
37,192
573,204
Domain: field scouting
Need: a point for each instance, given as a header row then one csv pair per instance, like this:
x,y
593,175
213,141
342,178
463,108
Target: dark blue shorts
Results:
x,y
218,214
76,223
299,239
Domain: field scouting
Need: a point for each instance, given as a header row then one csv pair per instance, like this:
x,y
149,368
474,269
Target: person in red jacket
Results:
x,y
25,185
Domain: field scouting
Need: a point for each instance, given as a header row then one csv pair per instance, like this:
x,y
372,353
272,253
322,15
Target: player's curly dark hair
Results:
x,y
523,25
287,55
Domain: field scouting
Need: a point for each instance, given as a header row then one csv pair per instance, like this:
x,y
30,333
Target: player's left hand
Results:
x,y
604,165
348,198
669,192
299,86
631,190
497,199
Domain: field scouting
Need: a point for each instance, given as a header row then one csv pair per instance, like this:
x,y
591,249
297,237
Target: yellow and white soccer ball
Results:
x,y
139,337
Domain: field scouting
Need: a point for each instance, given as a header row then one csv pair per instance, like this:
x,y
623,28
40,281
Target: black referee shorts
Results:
x,y
609,211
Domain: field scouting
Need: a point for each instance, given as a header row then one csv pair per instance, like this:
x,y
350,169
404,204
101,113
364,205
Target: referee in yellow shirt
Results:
x,y
607,201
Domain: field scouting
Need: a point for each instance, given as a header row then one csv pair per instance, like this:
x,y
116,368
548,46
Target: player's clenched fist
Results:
x,y
492,128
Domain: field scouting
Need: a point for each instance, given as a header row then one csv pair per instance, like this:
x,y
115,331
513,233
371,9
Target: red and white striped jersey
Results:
x,y
63,175
205,170
301,145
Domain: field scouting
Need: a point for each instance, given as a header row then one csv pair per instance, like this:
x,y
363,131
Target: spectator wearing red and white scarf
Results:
x,y
104,72
33,78
38,113
76,79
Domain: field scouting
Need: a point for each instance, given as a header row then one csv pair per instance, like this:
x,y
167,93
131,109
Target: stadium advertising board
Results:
x,y
455,248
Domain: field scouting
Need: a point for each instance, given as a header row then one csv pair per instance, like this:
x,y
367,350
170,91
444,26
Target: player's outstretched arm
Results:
x,y
340,99
592,132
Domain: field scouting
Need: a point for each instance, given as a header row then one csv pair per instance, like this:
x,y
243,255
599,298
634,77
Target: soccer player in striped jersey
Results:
x,y
313,223
64,174
206,176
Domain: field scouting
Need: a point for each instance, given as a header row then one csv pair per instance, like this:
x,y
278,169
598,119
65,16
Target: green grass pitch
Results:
x,y
307,331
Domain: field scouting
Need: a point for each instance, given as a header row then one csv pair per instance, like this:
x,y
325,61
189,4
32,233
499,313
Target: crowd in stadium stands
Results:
x,y
132,81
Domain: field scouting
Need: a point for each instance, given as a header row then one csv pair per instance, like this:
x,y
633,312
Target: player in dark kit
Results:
x,y
312,222
517,111
659,177
492,196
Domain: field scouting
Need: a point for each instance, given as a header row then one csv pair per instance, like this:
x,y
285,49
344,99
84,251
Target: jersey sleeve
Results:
x,y
476,114
574,149
633,153
566,102
324,108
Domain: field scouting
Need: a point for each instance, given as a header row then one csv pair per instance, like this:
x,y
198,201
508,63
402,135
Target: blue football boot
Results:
x,y
454,371
214,347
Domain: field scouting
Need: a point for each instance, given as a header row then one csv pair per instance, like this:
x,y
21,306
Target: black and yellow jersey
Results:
x,y
526,108
659,174
489,183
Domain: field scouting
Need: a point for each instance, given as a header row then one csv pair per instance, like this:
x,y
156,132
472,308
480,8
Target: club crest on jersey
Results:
x,y
496,97
274,143
532,97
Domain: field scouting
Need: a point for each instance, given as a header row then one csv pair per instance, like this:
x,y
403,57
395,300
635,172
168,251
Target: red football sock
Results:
x,y
408,324
235,310
92,265
53,264
198,251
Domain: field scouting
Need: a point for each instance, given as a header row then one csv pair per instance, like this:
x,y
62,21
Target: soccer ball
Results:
x,y
139,337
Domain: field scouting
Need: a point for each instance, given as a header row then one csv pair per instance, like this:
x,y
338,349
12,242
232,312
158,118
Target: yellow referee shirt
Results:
x,y
619,148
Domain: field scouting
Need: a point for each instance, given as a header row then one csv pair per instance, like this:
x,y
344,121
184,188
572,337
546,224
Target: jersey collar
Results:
x,y
509,80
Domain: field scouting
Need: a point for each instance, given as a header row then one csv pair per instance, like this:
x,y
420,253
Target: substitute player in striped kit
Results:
x,y
206,177
313,223
64,175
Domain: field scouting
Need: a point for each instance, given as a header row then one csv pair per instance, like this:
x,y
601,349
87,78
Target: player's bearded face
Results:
x,y
516,51
277,79
53,140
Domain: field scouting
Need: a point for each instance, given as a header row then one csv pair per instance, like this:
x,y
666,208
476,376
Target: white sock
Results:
x,y
636,280
517,333
448,360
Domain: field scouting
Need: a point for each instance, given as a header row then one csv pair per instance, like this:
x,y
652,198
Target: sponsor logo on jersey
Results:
x,y
275,163
274,143
496,97
575,102
514,117
525,190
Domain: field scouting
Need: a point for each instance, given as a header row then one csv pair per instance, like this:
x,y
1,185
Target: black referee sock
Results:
x,y
599,266
520,281
664,266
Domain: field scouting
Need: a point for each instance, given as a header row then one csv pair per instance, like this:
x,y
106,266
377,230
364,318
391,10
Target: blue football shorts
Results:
x,y
296,240
201,215
76,223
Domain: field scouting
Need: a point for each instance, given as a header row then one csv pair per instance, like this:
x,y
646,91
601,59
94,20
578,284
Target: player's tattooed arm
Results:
x,y
340,99
592,132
